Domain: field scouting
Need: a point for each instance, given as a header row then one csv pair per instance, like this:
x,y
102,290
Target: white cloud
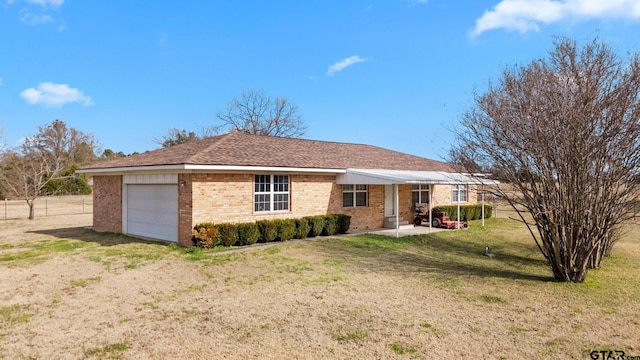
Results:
x,y
527,15
1,81
51,94
341,65
33,19
46,3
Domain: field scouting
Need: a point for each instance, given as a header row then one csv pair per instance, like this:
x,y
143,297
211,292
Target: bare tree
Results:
x,y
564,132
257,113
175,136
41,158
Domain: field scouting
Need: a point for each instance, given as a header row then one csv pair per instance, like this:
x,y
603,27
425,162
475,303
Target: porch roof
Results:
x,y
390,177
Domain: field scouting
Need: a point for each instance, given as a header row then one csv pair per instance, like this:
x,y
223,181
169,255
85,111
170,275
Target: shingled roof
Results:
x,y
241,149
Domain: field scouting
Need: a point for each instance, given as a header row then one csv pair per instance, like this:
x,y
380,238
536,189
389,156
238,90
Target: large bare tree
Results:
x,y
258,113
254,112
175,136
41,158
564,133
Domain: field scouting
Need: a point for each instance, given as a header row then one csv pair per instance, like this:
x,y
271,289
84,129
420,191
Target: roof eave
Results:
x,y
391,177
188,168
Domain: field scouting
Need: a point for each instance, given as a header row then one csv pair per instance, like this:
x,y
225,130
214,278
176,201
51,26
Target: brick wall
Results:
x,y
229,198
185,209
443,193
370,217
222,198
107,203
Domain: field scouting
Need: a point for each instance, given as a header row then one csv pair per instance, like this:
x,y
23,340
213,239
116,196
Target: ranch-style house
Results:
x,y
238,177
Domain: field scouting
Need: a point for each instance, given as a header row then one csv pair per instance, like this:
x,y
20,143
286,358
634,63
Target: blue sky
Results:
x,y
396,73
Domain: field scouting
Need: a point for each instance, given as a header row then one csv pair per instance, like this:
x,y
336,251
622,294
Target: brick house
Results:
x,y
238,177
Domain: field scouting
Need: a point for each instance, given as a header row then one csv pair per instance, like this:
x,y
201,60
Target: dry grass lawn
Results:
x,y
68,292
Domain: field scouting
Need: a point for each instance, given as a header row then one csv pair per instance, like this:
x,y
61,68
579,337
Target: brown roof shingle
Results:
x,y
241,149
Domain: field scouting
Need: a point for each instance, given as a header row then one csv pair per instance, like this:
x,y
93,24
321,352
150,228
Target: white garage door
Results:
x,y
152,211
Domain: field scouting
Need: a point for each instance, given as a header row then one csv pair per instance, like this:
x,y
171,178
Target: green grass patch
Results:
x,y
517,329
354,336
401,350
431,328
12,315
40,251
490,299
272,250
326,278
557,342
111,351
84,282
375,243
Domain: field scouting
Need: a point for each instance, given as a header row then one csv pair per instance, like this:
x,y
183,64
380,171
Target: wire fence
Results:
x,y
47,206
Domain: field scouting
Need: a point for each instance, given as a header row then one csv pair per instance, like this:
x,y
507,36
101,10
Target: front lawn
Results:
x,y
71,293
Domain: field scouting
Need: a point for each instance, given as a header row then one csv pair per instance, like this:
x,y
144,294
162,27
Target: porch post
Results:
x,y
430,207
395,186
482,208
458,225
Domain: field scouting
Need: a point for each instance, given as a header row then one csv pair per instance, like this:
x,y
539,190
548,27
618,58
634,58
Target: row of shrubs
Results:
x,y
467,212
208,234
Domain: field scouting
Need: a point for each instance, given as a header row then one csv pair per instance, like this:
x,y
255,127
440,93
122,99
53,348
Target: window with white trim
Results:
x,y
271,193
420,193
354,195
459,193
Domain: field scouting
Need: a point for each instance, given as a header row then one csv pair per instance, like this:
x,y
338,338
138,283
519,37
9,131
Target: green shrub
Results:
x,y
330,226
286,229
205,235
467,212
344,223
316,223
248,233
228,233
268,230
488,211
302,228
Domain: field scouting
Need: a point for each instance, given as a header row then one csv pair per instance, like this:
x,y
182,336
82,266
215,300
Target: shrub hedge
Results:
x,y
228,233
208,234
248,233
344,223
268,230
302,228
285,229
330,226
316,224
205,235
467,212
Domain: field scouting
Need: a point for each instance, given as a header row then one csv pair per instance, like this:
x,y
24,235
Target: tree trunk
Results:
x,y
32,209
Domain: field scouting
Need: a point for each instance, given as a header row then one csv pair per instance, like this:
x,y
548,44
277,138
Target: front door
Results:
x,y
389,201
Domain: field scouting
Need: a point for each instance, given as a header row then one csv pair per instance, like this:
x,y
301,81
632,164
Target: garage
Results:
x,y
151,211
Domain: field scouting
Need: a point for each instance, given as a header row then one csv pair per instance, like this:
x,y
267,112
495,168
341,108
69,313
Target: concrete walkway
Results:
x,y
404,230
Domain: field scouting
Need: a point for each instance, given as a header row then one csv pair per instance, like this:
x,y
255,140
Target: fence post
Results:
x,y
83,204
5,209
46,207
